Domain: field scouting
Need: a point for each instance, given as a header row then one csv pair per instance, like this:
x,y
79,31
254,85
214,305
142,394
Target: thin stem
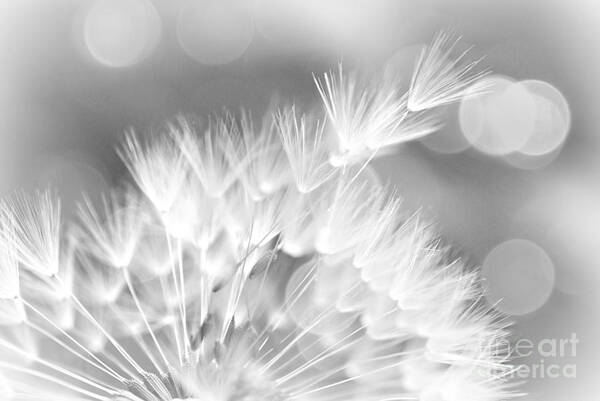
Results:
x,y
186,338
55,380
55,367
144,318
63,332
110,338
56,340
177,289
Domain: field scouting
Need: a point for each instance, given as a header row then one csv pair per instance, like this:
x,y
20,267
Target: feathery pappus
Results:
x,y
254,260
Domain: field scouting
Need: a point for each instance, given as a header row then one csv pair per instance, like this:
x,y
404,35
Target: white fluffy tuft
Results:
x,y
267,263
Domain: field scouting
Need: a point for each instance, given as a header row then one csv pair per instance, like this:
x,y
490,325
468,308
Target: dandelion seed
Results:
x,y
262,267
346,213
115,235
415,125
304,143
440,78
159,169
359,112
35,221
213,154
267,169
100,285
195,216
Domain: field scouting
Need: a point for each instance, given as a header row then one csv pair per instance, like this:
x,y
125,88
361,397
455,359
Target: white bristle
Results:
x,y
304,143
440,77
359,112
116,230
35,221
159,168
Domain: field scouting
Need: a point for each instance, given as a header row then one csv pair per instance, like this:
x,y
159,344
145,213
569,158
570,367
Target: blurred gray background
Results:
x,y
75,74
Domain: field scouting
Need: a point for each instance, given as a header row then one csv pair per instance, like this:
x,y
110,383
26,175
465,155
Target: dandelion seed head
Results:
x,y
258,259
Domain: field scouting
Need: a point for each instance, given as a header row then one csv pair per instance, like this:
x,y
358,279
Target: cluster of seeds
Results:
x,y
255,260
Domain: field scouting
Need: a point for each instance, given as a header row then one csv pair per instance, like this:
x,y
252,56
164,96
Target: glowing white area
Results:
x,y
214,32
526,122
120,33
519,276
501,120
553,119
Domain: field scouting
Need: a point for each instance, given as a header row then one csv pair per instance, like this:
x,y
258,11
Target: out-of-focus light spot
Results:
x,y
519,275
215,31
120,33
553,118
501,120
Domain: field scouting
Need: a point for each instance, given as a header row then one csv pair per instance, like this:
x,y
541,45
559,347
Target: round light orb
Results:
x,y
519,277
553,118
215,32
120,33
500,120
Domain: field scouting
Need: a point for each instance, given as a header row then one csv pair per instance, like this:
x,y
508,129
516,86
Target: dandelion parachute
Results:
x,y
255,261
